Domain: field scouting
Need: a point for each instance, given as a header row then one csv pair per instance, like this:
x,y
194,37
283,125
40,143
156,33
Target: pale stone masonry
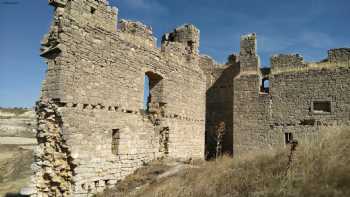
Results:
x,y
92,127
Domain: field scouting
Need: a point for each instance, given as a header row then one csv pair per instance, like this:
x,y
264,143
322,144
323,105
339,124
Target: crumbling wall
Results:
x,y
339,55
219,102
296,94
136,28
301,97
186,35
54,165
93,130
96,77
285,61
251,106
248,56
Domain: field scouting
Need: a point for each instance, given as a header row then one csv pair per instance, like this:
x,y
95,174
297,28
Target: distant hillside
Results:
x,y
17,122
13,111
17,139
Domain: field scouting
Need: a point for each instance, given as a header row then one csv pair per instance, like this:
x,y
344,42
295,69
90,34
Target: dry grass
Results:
x,y
320,167
15,168
142,177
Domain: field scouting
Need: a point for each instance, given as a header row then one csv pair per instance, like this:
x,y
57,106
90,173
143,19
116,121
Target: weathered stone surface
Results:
x,y
339,55
91,126
92,130
262,119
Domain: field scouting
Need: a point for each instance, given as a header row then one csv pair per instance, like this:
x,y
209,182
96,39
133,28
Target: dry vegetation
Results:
x,y
320,167
142,177
15,169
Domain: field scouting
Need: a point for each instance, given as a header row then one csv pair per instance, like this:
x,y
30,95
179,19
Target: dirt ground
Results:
x,y
15,171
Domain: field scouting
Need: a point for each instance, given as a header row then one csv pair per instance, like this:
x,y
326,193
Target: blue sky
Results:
x,y
308,27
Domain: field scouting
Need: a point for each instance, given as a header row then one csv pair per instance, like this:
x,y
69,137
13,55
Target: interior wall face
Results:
x,y
219,108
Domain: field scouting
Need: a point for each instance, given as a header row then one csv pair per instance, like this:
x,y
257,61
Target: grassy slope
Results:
x,y
320,168
141,178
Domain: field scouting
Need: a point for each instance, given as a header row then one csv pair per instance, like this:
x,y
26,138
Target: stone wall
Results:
x,y
295,96
301,97
339,55
187,35
282,61
92,125
219,102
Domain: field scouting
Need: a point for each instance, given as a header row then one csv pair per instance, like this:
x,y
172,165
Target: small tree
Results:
x,y
220,132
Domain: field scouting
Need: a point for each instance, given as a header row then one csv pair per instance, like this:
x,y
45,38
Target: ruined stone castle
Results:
x,y
93,129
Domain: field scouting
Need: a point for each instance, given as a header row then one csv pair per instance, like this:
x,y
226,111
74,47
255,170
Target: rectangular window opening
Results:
x,y
153,91
322,107
115,141
288,138
265,86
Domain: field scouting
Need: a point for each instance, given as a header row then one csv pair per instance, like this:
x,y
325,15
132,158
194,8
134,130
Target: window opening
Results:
x,y
288,138
265,85
115,141
322,107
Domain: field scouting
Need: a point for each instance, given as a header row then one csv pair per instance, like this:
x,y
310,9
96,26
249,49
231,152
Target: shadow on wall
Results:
x,y
14,195
219,108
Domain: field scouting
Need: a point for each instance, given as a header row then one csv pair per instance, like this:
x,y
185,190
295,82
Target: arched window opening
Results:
x,y
265,86
153,91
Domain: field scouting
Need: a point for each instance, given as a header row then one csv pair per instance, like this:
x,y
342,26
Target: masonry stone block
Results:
x,y
93,128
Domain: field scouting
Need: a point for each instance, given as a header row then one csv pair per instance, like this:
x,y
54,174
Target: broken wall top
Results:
x,y
90,62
